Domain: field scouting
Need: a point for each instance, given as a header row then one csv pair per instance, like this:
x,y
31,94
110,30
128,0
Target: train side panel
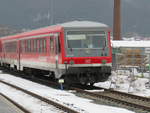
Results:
x,y
32,51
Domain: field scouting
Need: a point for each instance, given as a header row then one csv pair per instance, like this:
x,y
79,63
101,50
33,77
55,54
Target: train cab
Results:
x,y
87,52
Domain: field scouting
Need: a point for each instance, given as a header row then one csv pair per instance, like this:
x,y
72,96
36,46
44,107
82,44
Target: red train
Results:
x,y
77,51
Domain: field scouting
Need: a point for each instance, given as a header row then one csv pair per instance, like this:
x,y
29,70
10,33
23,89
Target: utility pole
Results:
x,y
51,12
117,20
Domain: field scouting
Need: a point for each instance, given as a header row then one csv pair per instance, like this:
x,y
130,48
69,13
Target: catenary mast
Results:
x,y
117,20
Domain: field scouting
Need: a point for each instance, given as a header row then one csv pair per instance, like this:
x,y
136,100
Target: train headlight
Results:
x,y
71,62
65,62
104,61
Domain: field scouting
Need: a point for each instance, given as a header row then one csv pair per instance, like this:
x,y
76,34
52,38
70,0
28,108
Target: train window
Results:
x,y
10,46
52,44
25,43
28,46
30,49
41,45
21,46
86,39
59,47
37,41
34,45
99,41
44,46
14,46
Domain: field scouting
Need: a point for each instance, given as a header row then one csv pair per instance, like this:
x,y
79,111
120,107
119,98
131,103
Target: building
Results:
x,y
130,53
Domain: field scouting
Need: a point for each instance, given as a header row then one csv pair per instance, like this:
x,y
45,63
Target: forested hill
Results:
x,y
38,13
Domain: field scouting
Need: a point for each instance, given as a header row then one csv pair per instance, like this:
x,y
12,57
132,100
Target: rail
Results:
x,y
60,106
16,104
123,100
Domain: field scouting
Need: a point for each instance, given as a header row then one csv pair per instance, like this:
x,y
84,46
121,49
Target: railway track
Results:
x,y
50,102
132,102
16,104
110,97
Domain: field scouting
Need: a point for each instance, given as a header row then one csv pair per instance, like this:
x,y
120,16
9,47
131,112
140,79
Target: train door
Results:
x,y
54,51
58,49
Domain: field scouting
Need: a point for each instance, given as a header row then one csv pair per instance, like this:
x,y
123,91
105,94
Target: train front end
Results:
x,y
87,55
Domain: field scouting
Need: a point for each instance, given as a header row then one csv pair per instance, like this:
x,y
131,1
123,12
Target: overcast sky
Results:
x,y
38,13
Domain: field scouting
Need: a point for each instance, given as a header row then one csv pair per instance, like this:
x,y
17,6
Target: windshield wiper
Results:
x,y
70,48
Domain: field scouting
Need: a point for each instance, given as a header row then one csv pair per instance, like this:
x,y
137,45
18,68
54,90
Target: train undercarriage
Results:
x,y
86,75
73,75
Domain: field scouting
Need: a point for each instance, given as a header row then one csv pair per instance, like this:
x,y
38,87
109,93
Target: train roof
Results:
x,y
57,28
83,24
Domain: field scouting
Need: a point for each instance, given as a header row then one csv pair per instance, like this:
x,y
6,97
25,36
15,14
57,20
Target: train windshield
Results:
x,y
77,39
91,41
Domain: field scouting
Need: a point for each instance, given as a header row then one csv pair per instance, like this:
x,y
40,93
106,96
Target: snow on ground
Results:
x,y
27,101
125,82
64,97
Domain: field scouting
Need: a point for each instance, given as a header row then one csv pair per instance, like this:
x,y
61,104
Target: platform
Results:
x,y
8,107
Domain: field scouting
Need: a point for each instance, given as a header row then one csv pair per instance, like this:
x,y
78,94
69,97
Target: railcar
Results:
x,y
77,51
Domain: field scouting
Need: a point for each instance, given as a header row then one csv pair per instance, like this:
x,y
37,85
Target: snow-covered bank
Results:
x,y
64,97
125,83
